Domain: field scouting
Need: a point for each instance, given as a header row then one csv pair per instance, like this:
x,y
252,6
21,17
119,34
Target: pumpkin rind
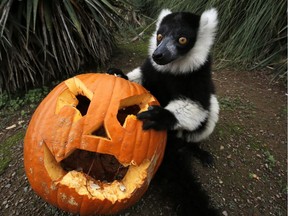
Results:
x,y
57,128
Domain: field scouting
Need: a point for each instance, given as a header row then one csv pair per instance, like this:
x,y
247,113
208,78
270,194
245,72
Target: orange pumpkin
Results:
x,y
85,151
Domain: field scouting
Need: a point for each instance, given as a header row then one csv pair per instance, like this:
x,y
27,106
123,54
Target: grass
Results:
x,y
284,111
135,40
228,130
235,103
271,161
254,143
131,51
6,149
140,48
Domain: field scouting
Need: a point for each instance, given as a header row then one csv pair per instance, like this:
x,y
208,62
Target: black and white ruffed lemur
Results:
x,y
178,73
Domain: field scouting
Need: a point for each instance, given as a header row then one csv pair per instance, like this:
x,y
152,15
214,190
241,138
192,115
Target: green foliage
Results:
x,y
41,40
234,104
271,161
31,98
251,33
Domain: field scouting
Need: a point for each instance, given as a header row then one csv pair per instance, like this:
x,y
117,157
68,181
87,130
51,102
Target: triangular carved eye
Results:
x,y
131,106
83,104
77,95
125,111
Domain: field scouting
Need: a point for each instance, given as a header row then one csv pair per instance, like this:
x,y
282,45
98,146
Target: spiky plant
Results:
x,y
41,39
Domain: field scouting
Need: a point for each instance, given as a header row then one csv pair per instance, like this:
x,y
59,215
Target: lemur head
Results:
x,y
182,40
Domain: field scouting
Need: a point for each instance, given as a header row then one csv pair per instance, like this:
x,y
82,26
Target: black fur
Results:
x,y
157,118
197,86
179,182
117,72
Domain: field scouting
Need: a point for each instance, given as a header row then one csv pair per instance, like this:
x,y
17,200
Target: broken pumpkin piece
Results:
x,y
85,151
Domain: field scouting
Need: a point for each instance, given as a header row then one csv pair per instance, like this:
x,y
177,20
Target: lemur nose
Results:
x,y
157,55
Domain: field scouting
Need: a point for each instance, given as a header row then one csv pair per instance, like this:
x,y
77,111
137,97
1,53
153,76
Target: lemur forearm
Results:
x,y
188,113
135,75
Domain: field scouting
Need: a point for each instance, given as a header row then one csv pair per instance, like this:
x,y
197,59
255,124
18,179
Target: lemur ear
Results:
x,y
209,21
162,14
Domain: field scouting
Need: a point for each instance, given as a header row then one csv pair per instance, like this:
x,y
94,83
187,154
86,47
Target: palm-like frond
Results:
x,y
41,39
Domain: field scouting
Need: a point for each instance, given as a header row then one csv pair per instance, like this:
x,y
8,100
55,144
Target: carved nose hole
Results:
x,y
83,104
125,111
100,132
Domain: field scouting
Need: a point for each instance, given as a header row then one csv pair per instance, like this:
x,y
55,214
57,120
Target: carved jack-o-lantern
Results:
x,y
85,151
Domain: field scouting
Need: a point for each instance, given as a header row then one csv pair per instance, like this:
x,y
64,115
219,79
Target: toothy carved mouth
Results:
x,y
87,178
102,167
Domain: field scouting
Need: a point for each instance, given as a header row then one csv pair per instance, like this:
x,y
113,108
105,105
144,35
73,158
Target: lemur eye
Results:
x,y
159,37
183,40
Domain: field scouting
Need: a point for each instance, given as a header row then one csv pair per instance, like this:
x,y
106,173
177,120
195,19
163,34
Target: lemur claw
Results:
x,y
157,118
117,72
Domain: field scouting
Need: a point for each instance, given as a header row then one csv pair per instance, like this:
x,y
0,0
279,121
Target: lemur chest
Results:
x,y
166,88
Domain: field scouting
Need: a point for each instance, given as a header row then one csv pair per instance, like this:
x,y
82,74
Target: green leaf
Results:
x,y
111,7
99,7
35,6
47,15
73,16
28,16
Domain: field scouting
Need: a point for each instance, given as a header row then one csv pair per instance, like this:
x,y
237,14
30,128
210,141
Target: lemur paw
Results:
x,y
157,118
117,72
205,157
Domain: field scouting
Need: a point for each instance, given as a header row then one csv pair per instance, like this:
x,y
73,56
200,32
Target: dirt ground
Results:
x,y
249,146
